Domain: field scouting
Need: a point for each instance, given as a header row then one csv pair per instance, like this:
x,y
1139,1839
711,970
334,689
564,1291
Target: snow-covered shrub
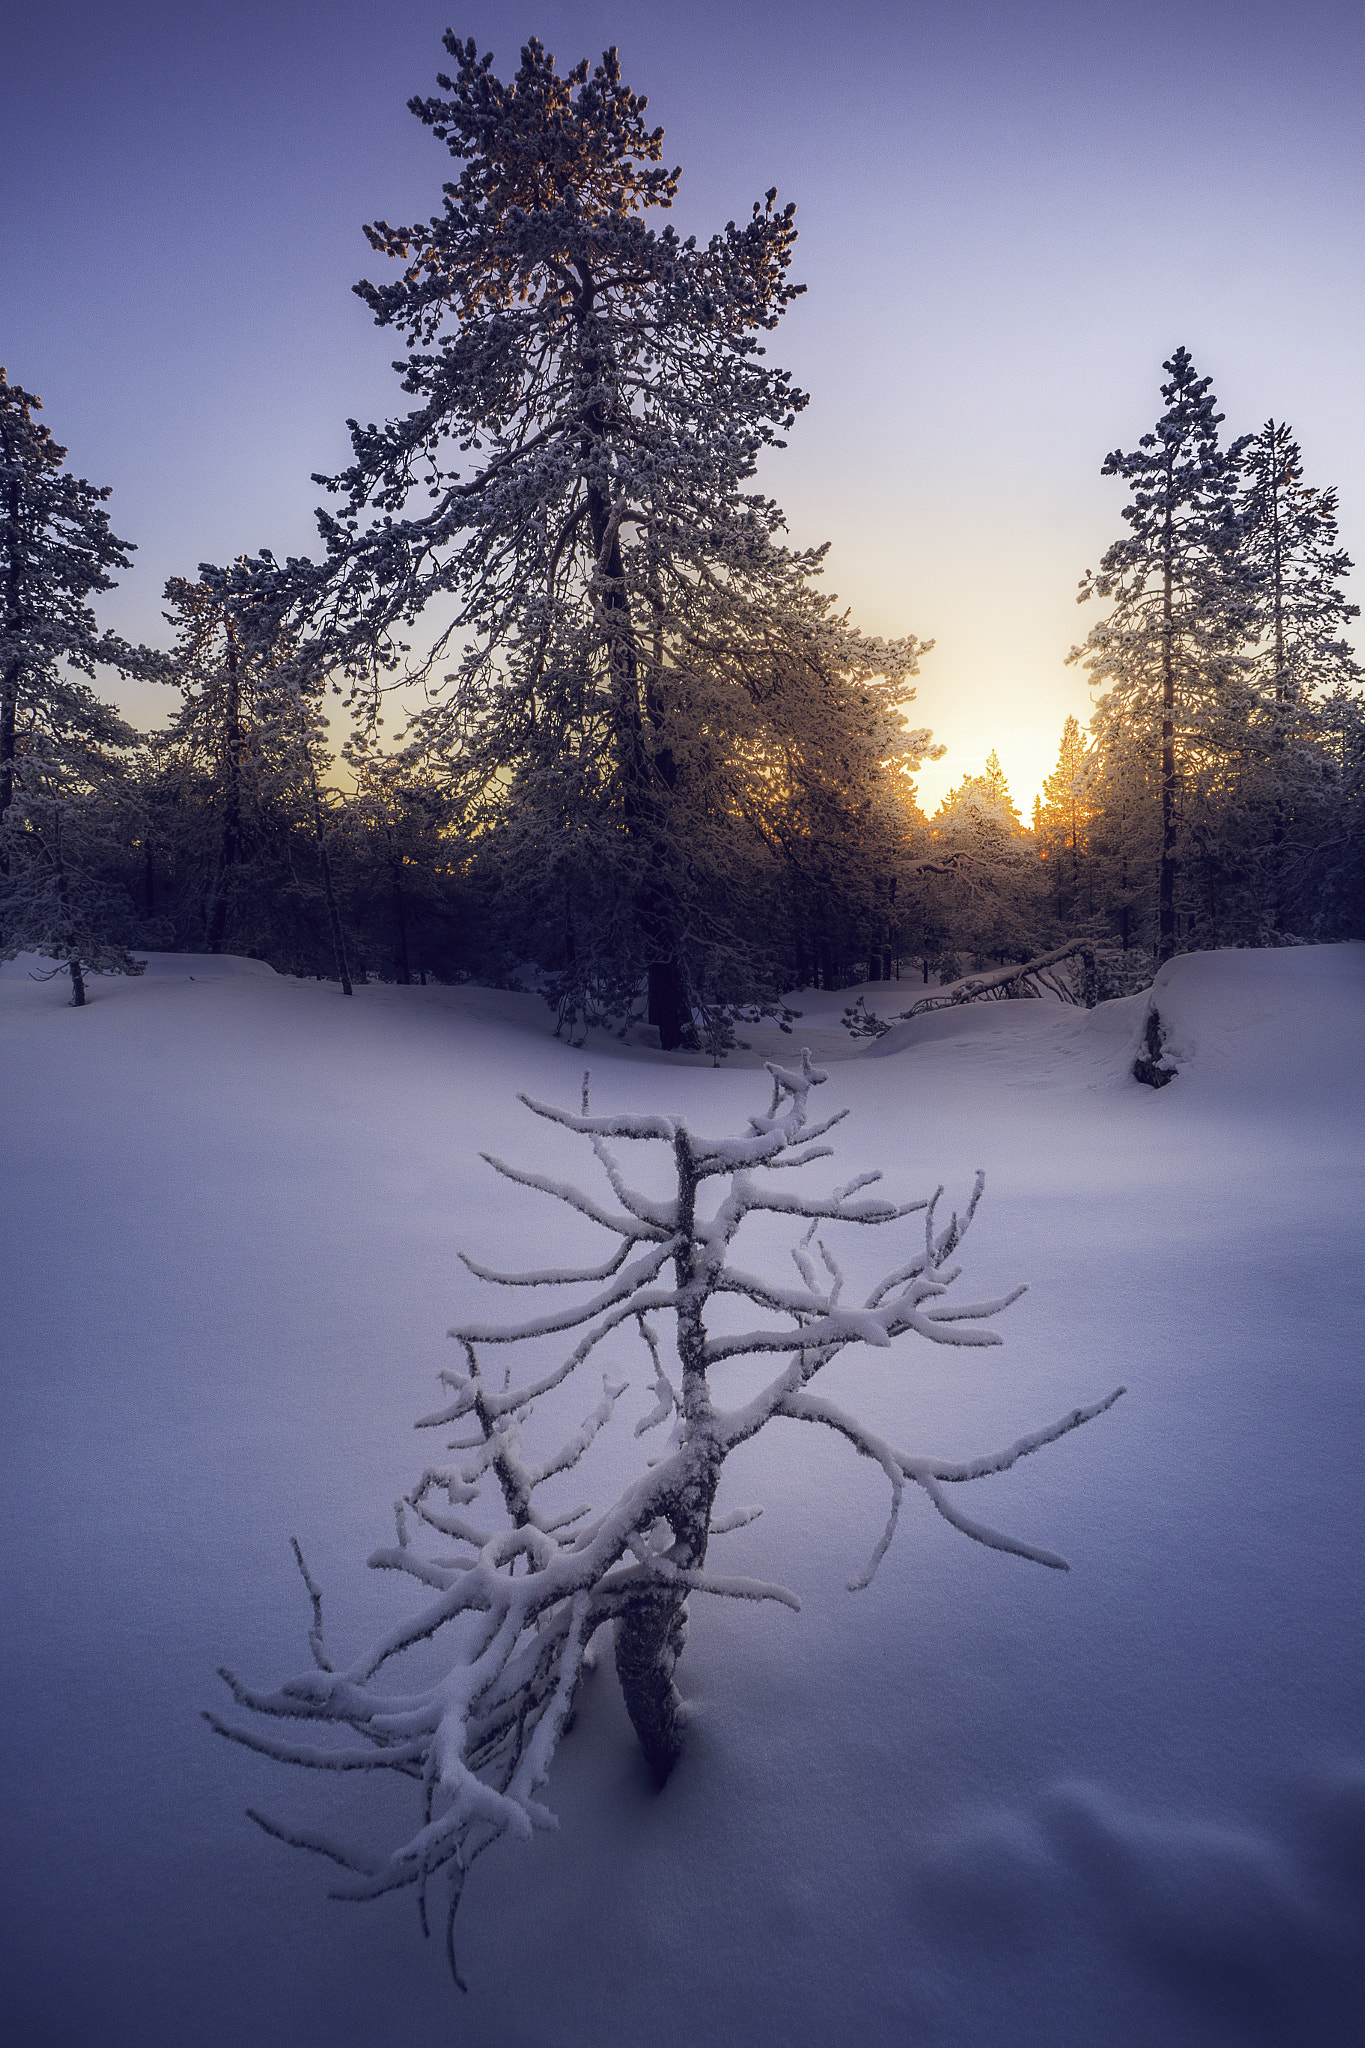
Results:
x,y
516,1592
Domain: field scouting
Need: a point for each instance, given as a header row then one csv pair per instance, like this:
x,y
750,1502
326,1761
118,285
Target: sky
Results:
x,y
1009,215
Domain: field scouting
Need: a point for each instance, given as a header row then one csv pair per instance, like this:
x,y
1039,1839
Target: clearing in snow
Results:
x,y
975,1803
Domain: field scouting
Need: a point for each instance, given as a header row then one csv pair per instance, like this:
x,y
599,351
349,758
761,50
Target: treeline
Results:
x,y
653,766
1222,786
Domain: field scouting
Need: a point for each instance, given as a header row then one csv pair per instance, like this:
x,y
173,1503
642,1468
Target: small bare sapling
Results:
x,y
517,1592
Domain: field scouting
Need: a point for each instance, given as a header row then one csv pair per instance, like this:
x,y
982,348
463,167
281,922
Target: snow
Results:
x,y
977,1803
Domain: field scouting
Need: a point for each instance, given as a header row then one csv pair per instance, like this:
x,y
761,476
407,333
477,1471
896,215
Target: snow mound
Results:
x,y
1291,1021
200,966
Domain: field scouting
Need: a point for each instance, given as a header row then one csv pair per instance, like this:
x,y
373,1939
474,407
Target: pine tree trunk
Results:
x,y
1277,577
77,984
668,1006
570,936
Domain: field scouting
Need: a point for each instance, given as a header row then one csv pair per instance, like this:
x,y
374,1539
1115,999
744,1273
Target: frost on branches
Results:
x,y
518,1593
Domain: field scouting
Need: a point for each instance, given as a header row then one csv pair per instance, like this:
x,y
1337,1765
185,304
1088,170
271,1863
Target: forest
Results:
x,y
557,706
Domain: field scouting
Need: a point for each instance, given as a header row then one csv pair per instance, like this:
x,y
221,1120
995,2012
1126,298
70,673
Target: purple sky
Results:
x,y
1009,214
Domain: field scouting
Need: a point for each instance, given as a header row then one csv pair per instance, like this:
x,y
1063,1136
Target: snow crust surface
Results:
x,y
979,1805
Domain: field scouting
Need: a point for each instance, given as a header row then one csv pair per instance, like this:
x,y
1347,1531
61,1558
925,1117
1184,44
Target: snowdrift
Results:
x,y
977,1804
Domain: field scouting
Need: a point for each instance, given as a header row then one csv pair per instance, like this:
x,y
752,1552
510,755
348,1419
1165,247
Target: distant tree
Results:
x,y
405,849
823,777
216,734
985,887
1061,820
1339,880
569,492
990,787
306,754
1125,827
250,741
1166,651
523,1581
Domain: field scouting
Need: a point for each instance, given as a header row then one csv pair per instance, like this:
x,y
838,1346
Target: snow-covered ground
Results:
x,y
981,1804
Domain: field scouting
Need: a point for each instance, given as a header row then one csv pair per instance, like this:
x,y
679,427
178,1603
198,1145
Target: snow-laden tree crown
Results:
x,y
637,657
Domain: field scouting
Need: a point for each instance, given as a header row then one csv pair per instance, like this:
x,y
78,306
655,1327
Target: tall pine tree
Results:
x,y
569,491
1300,664
1166,651
1292,553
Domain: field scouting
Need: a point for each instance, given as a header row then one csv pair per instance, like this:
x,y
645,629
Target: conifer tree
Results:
x,y
1291,792
1296,566
216,733
1167,649
984,887
990,787
1062,817
249,739
61,839
56,548
1125,828
403,828
592,398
